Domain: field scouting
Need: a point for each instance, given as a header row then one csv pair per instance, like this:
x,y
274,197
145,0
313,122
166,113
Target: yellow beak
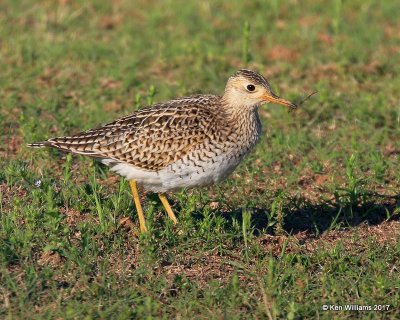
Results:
x,y
275,99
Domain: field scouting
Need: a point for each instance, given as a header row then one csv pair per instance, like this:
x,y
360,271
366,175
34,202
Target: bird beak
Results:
x,y
275,99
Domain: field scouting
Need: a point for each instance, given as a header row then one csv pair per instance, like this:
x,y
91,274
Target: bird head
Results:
x,y
249,89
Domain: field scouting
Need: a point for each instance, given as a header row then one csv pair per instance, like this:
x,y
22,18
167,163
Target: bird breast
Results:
x,y
218,156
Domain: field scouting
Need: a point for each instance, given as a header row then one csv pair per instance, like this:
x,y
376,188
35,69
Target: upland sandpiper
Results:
x,y
183,143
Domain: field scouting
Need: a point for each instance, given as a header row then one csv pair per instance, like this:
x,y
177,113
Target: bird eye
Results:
x,y
250,87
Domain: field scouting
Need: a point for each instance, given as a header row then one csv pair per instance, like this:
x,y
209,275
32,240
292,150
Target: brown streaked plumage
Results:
x,y
187,142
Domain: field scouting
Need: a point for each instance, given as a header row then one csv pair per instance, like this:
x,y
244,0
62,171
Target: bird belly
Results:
x,y
178,175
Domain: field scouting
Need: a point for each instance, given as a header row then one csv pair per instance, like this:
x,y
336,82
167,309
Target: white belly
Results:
x,y
181,174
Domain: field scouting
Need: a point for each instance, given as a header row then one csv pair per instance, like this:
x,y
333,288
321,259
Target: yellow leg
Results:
x,y
139,209
167,207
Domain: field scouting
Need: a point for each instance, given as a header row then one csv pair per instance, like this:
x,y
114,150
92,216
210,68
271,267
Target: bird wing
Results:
x,y
150,138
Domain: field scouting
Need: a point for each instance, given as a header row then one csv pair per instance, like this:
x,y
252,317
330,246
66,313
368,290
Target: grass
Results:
x,y
311,218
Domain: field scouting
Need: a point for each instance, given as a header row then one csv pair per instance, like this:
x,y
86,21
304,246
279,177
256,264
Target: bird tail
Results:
x,y
40,144
65,144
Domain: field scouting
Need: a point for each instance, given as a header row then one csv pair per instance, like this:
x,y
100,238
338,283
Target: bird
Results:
x,y
187,142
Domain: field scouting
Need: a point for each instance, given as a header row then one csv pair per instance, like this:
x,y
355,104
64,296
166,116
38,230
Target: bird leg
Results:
x,y
142,221
167,207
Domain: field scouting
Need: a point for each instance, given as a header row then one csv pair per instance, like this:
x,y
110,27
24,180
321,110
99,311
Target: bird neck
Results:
x,y
236,109
244,121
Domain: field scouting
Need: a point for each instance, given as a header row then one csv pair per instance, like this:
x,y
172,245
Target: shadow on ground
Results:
x,y
303,216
